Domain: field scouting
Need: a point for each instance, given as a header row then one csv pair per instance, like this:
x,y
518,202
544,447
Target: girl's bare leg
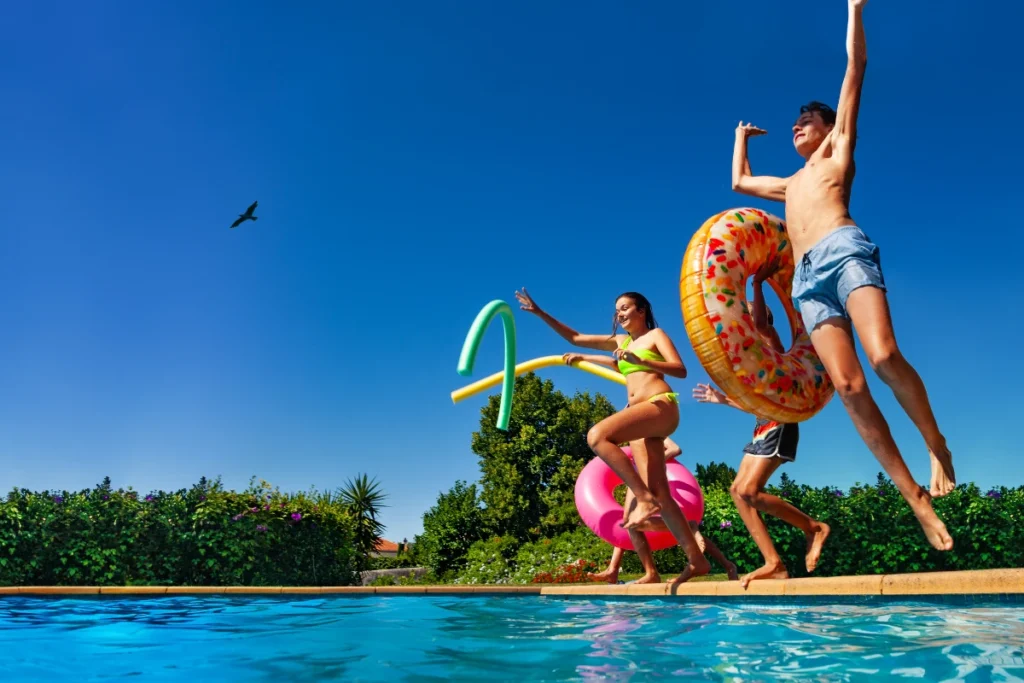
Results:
x,y
697,564
646,419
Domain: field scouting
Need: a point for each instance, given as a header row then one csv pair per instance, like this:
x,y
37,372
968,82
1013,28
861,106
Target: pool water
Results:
x,y
522,638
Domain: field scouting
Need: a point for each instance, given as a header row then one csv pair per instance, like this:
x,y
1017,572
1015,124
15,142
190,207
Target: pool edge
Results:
x,y
970,582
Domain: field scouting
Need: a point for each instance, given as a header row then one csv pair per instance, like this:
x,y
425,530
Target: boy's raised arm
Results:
x,y
844,135
743,181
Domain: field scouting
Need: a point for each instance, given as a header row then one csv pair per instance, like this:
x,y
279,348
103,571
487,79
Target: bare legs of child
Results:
x,y
750,498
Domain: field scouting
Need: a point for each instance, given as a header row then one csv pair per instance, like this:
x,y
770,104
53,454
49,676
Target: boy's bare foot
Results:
x,y
649,578
607,576
933,528
698,568
769,571
943,475
730,571
640,514
815,540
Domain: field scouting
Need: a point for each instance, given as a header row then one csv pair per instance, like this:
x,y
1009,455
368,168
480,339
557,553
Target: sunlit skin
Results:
x,y
643,419
817,199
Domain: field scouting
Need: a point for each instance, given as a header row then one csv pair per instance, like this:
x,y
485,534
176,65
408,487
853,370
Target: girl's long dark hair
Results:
x,y
643,304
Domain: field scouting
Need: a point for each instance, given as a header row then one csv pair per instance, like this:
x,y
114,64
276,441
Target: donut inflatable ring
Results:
x,y
599,510
729,248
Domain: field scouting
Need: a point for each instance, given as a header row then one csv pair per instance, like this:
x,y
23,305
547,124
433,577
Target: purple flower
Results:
x,y
106,497
149,499
58,499
725,523
237,517
266,507
260,527
296,516
994,494
254,509
838,493
202,497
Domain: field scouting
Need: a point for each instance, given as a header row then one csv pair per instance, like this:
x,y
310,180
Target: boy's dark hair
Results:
x,y
827,113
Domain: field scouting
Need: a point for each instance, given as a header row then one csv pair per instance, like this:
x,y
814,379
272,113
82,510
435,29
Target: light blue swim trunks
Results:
x,y
842,261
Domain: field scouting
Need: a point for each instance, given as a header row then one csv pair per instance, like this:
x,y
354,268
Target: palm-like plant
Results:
x,y
363,498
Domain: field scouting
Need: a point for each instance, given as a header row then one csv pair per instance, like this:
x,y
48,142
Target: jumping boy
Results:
x,y
773,444
838,285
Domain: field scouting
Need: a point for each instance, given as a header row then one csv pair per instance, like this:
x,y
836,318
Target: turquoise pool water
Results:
x,y
523,638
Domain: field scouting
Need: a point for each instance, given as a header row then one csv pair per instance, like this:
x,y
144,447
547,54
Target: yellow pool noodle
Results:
x,y
529,366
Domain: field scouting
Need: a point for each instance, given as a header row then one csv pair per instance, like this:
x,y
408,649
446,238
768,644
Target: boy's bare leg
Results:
x,y
869,310
754,471
611,574
717,556
643,550
833,342
749,486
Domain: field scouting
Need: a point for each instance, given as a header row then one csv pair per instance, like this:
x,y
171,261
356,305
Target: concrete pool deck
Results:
x,y
976,582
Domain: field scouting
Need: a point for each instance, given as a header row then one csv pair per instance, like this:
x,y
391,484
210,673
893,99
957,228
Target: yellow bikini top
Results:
x,y
626,368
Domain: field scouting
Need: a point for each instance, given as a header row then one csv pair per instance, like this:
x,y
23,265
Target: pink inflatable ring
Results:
x,y
599,510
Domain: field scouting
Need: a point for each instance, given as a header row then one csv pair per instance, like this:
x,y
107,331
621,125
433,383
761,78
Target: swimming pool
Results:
x,y
534,638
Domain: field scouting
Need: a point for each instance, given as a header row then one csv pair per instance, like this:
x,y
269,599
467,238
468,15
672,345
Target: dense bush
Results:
x,y
449,529
203,536
873,532
402,561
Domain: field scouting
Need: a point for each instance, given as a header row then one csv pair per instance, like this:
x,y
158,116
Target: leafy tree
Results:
x,y
529,472
364,499
715,476
450,527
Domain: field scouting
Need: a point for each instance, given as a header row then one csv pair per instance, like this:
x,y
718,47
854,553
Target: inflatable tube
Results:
x,y
729,248
599,510
529,366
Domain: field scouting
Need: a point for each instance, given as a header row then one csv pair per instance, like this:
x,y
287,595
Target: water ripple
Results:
x,y
444,638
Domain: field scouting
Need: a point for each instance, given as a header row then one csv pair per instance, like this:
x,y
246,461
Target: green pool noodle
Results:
x,y
472,343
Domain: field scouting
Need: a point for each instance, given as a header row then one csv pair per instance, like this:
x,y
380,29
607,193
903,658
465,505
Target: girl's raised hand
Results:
x,y
526,302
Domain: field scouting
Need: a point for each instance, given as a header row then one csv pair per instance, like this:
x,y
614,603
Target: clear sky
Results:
x,y
414,161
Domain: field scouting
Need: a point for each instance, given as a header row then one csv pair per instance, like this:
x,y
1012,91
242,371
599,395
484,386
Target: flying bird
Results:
x,y
247,216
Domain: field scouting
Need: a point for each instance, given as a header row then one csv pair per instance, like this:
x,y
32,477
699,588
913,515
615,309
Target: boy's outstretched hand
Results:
x,y
705,393
749,130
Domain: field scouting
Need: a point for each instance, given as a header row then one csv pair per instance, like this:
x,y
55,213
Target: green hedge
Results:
x,y
203,536
873,532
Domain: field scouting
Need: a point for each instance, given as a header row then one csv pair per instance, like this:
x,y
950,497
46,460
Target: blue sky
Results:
x,y
414,161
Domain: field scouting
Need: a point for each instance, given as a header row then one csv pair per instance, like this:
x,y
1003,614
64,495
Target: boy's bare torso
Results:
x,y
818,199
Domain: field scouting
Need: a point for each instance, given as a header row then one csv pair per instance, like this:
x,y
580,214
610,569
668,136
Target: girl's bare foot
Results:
x,y
943,476
769,571
655,523
815,541
699,567
730,571
641,513
607,576
933,528
649,578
